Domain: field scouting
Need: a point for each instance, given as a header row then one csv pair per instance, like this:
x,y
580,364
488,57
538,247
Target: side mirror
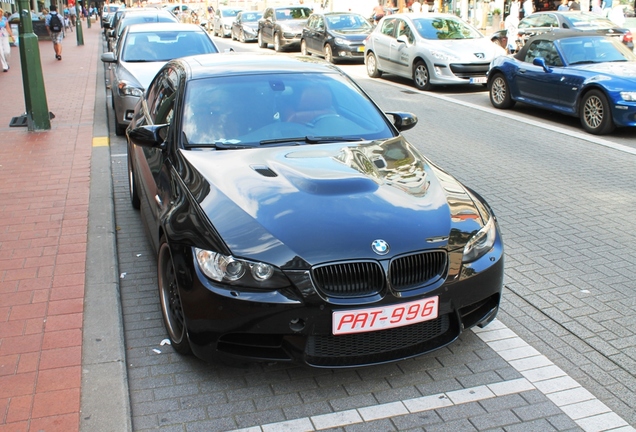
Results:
x,y
540,61
403,120
111,33
149,135
109,57
403,39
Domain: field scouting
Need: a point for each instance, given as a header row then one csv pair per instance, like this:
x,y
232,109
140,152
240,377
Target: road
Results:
x,y
564,346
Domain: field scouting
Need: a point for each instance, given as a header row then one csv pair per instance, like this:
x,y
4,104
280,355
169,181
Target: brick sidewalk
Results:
x,y
44,196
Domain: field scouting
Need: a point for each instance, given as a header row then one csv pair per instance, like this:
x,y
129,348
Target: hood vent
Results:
x,y
264,171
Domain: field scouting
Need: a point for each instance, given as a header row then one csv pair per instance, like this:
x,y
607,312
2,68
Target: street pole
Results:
x,y
78,25
37,109
88,20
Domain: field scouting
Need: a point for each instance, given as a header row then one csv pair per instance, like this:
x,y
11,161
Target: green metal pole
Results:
x,y
78,24
37,109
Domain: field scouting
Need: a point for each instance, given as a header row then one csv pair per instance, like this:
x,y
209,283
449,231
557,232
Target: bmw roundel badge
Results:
x,y
380,247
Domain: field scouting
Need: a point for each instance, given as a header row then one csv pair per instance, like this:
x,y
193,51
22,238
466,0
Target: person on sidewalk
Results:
x,y
5,46
56,30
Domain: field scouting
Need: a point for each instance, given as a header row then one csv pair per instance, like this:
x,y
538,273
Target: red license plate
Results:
x,y
381,318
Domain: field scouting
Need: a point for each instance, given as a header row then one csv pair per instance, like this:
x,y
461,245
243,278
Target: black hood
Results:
x,y
329,202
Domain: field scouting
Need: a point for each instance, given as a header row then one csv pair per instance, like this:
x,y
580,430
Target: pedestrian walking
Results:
x,y
55,26
416,7
378,12
563,6
5,46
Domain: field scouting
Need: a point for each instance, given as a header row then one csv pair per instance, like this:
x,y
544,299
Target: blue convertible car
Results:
x,y
592,77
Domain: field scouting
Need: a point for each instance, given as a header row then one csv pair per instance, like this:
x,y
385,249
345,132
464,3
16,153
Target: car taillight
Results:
x,y
627,37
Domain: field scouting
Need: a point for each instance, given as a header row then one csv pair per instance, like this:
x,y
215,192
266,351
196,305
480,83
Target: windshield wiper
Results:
x,y
311,140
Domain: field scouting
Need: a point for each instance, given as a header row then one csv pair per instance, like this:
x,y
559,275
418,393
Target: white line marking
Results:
x,y
580,405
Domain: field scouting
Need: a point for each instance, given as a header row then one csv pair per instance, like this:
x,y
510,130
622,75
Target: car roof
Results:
x,y
244,63
164,26
556,35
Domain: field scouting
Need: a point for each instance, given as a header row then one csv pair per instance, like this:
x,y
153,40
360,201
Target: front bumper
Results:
x,y
289,326
348,52
458,73
124,107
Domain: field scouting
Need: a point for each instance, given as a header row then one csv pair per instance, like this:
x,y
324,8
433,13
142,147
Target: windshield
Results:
x,y
281,109
164,46
348,22
143,18
582,50
251,16
591,21
445,28
292,13
228,13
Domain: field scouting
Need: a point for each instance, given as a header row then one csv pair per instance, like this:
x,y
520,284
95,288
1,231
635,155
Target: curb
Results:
x,y
105,401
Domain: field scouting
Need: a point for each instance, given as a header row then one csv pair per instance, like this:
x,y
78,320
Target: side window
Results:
x,y
546,50
405,30
388,27
162,106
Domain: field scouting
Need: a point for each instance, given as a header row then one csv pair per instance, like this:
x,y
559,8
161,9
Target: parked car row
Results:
x,y
231,156
548,21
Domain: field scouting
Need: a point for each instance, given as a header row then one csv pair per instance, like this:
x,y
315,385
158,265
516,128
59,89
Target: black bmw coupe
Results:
x,y
293,222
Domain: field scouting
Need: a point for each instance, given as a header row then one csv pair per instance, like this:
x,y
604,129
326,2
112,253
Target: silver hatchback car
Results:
x,y
431,49
141,52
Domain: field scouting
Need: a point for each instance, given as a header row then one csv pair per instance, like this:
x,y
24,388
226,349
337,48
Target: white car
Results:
x,y
431,49
223,19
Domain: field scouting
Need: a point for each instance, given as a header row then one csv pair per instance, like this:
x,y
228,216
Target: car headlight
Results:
x,y
125,89
628,96
481,242
234,271
341,41
444,56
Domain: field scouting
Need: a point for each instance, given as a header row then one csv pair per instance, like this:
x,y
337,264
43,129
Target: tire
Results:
x,y
261,42
232,35
371,62
499,92
421,77
277,45
120,129
303,47
595,114
132,186
170,300
328,53
242,36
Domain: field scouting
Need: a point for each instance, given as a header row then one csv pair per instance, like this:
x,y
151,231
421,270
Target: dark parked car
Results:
x,y
335,36
583,75
282,26
143,50
293,221
540,22
245,26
